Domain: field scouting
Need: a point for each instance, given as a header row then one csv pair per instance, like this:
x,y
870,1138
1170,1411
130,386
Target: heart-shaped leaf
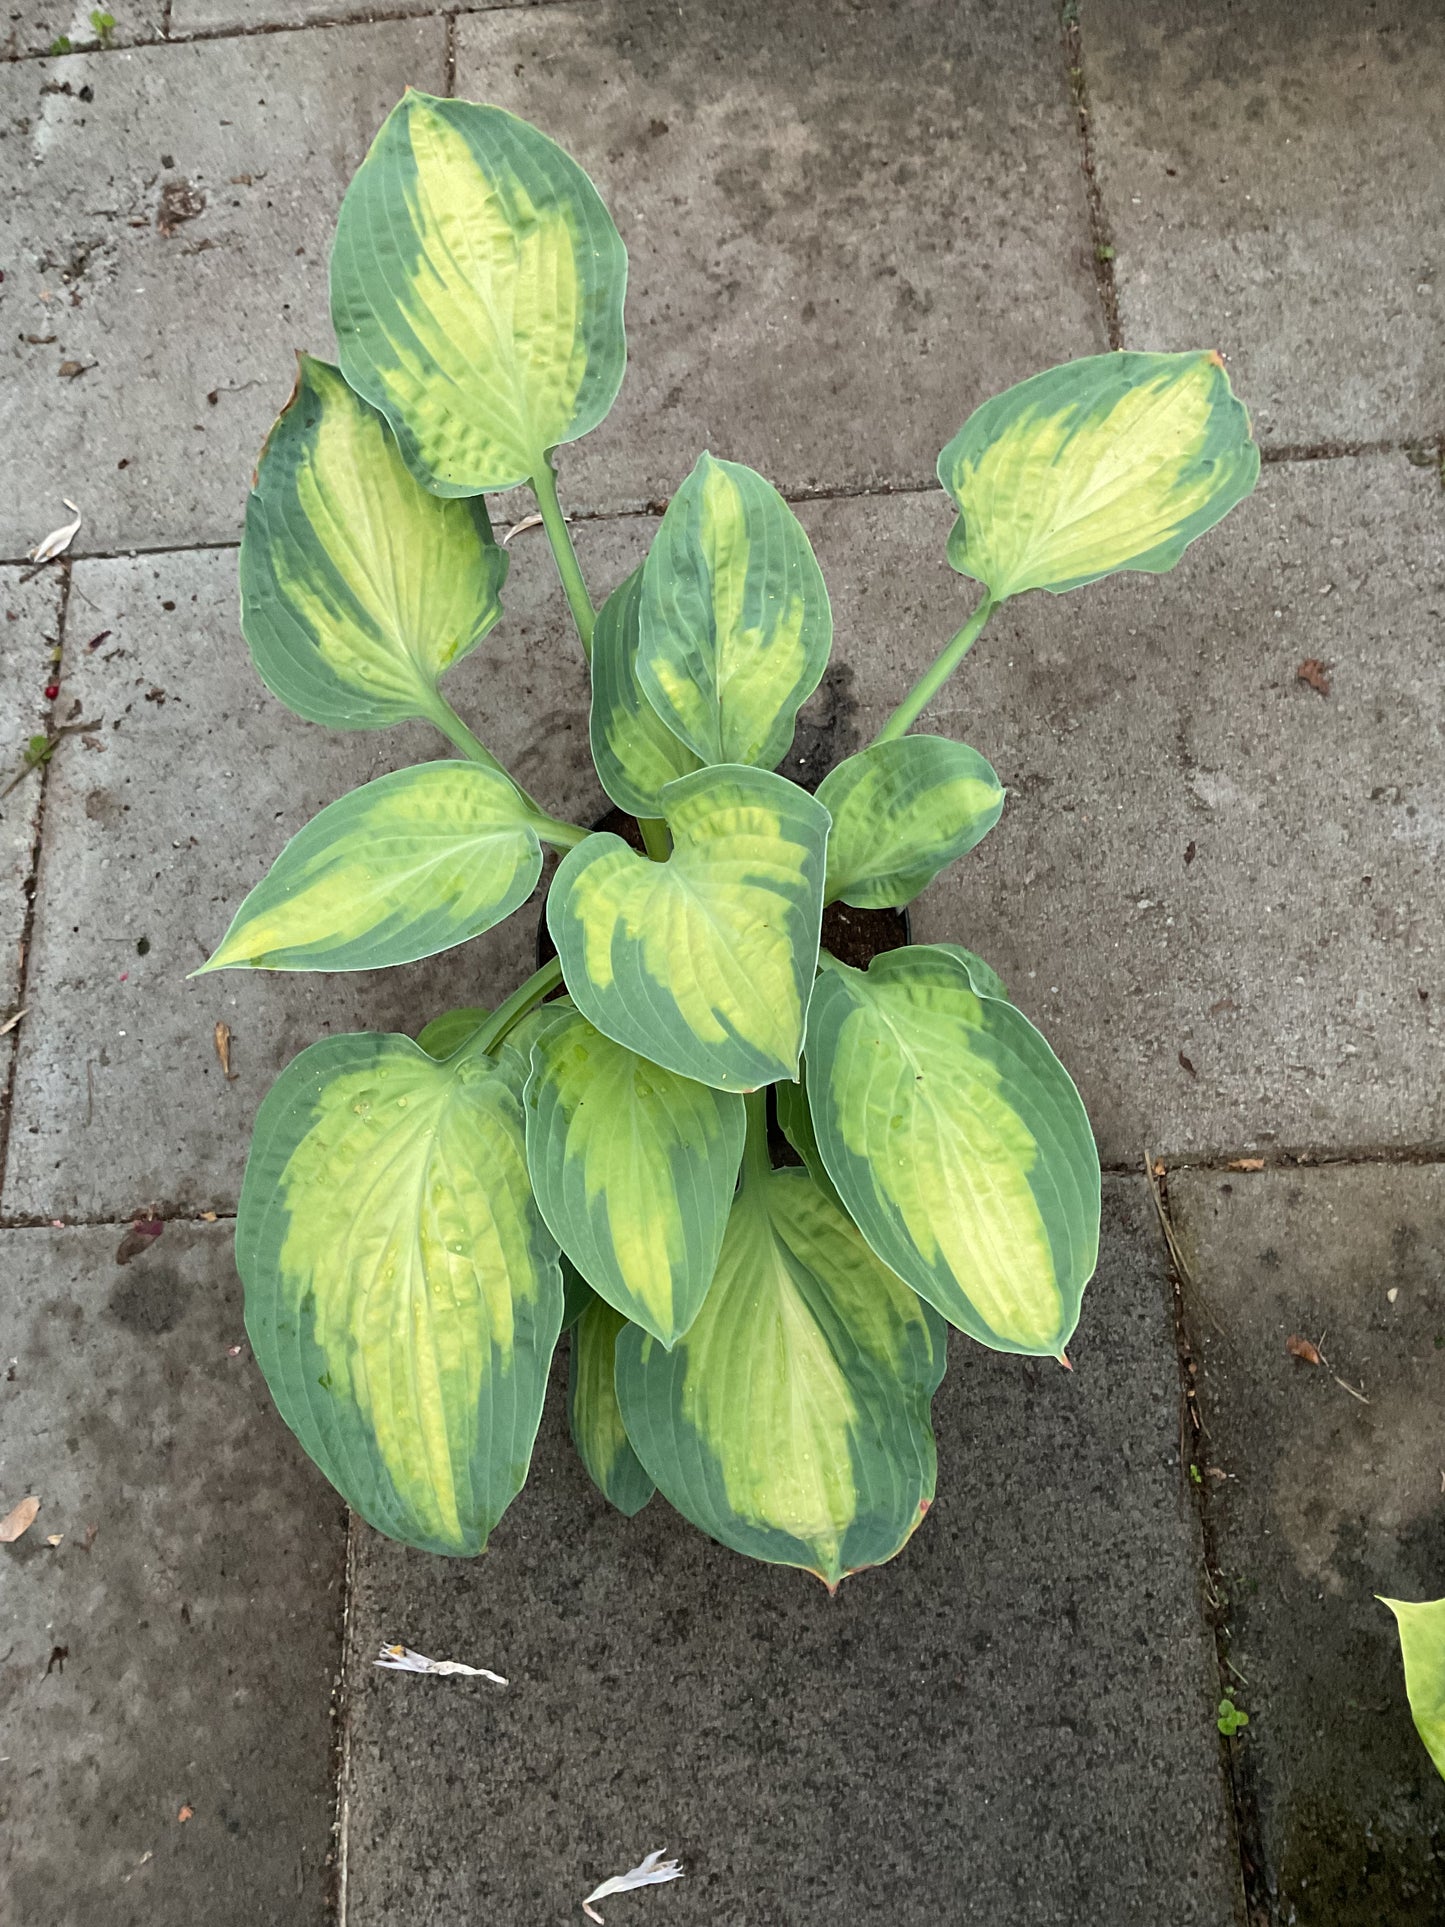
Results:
x,y
792,1420
594,1414
410,864
476,292
958,1145
1422,1647
358,588
636,753
634,1170
704,964
903,810
734,622
1113,462
402,1294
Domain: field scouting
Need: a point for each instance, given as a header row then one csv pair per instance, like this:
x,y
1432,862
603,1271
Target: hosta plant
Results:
x,y
421,1218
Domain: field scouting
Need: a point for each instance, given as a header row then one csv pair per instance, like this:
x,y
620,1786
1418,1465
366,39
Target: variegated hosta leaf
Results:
x,y
594,1415
795,1121
402,1293
636,753
735,625
903,810
1422,1647
410,864
703,963
792,1421
958,1144
476,293
1114,462
452,1029
634,1170
358,588
984,978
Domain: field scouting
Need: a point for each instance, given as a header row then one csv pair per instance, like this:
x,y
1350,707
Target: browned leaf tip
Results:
x,y
18,1519
1301,1348
1315,673
141,1236
223,1052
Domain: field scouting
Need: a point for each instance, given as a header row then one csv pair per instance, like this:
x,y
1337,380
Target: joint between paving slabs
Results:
x,y
1236,1760
165,38
1100,242
449,83
32,875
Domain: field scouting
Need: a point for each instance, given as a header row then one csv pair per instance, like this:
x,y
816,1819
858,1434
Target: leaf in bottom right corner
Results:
x,y
1421,1626
958,1144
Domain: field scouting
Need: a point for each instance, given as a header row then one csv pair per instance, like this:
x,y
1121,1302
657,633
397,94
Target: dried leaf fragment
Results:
x,y
18,1519
1315,673
1301,1348
1245,1164
650,1872
520,528
53,1538
185,1814
141,1236
401,1659
59,540
11,1022
223,1052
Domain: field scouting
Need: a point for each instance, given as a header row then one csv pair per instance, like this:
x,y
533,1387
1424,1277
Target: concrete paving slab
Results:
x,y
165,238
33,26
1324,1502
1216,890
976,1732
1271,177
154,836
847,226
177,1650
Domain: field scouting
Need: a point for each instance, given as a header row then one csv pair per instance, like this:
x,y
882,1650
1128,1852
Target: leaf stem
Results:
x,y
932,680
757,1159
456,732
544,487
524,998
551,829
655,839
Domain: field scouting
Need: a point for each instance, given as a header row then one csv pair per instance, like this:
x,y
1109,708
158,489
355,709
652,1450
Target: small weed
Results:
x,y
1196,1475
1231,1718
1103,252
59,45
104,25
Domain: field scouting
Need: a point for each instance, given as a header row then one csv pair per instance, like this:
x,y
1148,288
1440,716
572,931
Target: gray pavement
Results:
x,y
1318,1501
948,1739
167,1666
1215,887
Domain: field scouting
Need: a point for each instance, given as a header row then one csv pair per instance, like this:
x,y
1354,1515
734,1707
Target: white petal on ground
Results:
x,y
650,1872
401,1659
59,540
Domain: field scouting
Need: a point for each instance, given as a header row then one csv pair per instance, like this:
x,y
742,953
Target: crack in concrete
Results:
x,y
31,885
201,35
1235,1760
1101,245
